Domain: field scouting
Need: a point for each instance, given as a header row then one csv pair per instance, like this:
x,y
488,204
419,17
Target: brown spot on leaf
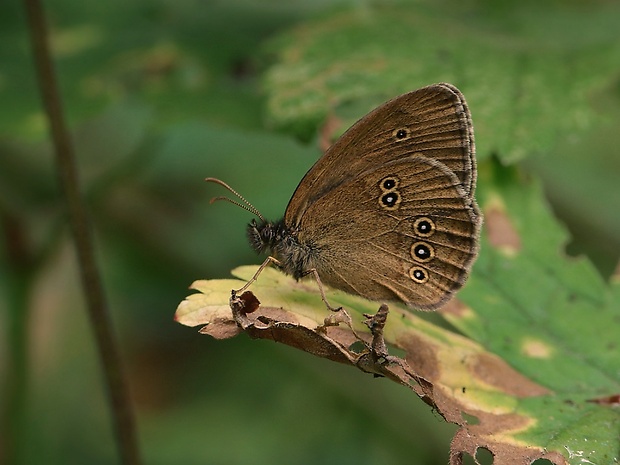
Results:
x,y
501,232
536,348
456,308
494,371
421,356
468,440
615,277
609,401
326,137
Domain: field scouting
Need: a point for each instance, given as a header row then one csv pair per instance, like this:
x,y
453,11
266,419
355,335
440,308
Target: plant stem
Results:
x,y
123,417
18,284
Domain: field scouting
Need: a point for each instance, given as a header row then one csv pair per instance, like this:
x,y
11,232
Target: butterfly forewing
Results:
x,y
433,122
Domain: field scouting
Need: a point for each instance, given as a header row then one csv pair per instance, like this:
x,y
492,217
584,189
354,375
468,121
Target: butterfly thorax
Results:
x,y
296,257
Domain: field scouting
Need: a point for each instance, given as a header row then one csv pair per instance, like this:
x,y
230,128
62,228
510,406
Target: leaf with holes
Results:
x,y
537,377
552,318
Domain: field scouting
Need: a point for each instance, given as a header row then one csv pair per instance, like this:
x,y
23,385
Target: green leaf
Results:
x,y
532,73
551,317
538,377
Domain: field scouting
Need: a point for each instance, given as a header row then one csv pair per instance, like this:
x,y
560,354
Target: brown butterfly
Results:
x,y
388,212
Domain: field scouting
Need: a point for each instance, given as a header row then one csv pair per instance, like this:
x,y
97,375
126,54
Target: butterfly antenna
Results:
x,y
245,205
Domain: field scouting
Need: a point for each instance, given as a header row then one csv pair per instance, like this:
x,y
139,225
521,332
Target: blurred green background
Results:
x,y
161,94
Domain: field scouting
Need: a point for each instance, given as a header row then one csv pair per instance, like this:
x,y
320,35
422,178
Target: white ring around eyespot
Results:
x,y
431,252
390,207
388,178
418,221
412,271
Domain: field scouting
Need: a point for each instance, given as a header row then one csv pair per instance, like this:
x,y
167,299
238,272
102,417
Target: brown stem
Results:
x,y
124,423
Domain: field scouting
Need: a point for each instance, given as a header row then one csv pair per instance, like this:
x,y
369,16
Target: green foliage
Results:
x,y
530,74
162,94
530,297
551,317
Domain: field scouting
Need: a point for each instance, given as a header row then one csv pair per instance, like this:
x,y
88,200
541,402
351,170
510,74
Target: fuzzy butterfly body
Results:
x,y
388,212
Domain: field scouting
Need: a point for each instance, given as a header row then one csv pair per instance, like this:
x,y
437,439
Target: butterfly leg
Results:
x,y
271,260
266,263
338,315
315,273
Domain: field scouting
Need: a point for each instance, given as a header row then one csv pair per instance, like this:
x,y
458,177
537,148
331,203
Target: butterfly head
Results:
x,y
264,235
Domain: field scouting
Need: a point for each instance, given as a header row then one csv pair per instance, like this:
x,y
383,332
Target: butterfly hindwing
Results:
x,y
405,231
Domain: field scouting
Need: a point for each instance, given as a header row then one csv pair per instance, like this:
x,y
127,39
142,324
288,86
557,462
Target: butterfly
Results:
x,y
388,212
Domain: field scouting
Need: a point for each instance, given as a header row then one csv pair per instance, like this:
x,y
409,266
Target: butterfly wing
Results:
x,y
433,122
405,230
